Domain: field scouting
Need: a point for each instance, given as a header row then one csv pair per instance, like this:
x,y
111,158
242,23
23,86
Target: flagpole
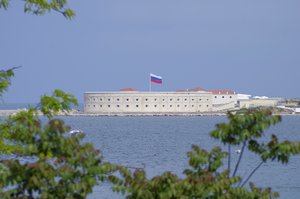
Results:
x,y
149,83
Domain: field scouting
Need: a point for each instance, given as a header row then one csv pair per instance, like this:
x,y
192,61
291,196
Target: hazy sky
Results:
x,y
249,46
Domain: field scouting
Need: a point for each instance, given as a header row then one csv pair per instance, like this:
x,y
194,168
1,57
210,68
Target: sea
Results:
x,y
160,143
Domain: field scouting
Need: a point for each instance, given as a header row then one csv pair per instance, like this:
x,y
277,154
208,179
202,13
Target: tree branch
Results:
x,y
239,160
229,157
250,175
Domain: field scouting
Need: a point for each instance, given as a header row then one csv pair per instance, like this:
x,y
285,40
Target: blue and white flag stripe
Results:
x,y
155,78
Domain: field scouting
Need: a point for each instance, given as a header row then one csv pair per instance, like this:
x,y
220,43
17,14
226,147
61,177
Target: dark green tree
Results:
x,y
43,160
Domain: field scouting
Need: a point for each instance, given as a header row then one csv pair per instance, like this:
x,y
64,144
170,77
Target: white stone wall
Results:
x,y
147,102
251,103
224,107
224,99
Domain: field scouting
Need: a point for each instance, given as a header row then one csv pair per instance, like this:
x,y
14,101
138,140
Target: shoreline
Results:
x,y
76,113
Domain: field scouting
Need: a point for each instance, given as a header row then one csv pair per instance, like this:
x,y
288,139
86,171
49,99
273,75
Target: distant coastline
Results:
x,y
77,113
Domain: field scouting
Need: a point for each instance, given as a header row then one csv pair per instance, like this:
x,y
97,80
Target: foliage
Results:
x,y
40,7
246,129
45,162
50,163
207,178
5,81
59,101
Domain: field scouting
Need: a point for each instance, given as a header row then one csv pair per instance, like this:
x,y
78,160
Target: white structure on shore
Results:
x,y
259,102
130,101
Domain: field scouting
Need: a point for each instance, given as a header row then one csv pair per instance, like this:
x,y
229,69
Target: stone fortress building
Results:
x,y
131,101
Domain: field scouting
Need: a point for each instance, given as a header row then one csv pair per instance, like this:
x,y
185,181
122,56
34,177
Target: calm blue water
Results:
x,y
161,144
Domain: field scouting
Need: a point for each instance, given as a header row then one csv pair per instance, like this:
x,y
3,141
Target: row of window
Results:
x,y
223,96
137,106
146,99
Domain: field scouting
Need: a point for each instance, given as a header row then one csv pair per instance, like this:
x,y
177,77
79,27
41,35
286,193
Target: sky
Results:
x,y
251,47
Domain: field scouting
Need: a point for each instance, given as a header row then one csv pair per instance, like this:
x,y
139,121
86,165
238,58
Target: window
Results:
x,y
94,105
100,99
127,105
146,105
199,105
215,96
170,105
163,99
118,99
193,99
108,106
108,99
155,105
178,99
192,105
185,105
185,99
163,105
178,106
137,106
94,99
146,99
222,96
118,105
127,99
230,97
207,105
155,99
200,99
207,99
136,99
101,106
171,99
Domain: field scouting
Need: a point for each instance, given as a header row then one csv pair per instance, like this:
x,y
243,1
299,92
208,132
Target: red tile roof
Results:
x,y
128,89
222,92
197,89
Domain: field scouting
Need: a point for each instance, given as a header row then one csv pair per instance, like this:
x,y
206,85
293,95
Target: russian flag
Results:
x,y
156,79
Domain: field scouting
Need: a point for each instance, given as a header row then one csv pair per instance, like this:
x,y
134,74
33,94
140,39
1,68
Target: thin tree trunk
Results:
x,y
239,160
250,175
229,157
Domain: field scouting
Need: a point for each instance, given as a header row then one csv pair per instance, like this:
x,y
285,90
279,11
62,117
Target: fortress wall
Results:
x,y
251,103
147,102
219,99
